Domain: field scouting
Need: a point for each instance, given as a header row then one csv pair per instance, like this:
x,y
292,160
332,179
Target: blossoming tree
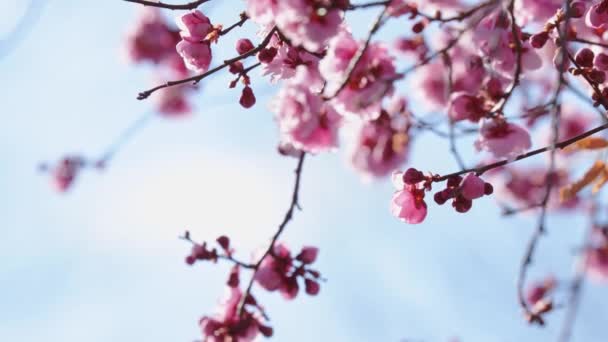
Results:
x,y
501,71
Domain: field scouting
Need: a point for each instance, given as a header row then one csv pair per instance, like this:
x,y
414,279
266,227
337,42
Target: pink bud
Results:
x,y
247,98
312,287
267,55
584,57
601,61
308,255
472,187
412,176
243,46
224,241
577,9
538,40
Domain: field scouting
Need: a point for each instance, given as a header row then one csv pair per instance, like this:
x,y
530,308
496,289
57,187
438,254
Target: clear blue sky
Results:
x,y
103,262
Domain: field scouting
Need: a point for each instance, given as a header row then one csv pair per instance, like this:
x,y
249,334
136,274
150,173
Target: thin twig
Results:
x,y
288,215
188,6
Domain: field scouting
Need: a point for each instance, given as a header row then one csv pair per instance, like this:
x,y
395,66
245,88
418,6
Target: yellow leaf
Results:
x,y
569,191
601,180
590,143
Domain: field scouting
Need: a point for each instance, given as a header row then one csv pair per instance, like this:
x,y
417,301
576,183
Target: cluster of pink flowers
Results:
x,y
280,271
408,201
240,317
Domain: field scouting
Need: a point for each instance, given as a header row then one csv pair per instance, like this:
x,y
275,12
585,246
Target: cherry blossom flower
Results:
x,y
408,203
305,120
370,81
502,139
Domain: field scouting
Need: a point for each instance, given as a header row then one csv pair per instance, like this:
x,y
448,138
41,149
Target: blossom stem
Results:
x,y
288,216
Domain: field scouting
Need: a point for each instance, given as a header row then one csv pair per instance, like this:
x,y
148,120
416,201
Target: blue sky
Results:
x,y
103,262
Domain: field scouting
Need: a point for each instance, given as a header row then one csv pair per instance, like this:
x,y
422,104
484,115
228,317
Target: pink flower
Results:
x,y
502,139
172,101
596,256
151,39
397,8
66,171
472,187
228,325
197,56
369,82
310,23
280,271
464,106
597,16
408,203
287,59
194,26
304,119
540,290
381,145
262,12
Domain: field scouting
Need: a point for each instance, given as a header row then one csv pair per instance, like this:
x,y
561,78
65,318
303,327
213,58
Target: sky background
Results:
x,y
103,262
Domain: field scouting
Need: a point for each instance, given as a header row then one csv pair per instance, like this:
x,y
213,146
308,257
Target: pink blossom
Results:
x,y
280,271
197,56
66,171
228,325
540,290
309,23
151,39
502,139
597,16
596,255
262,12
286,60
408,203
465,106
172,101
194,26
369,82
304,119
381,145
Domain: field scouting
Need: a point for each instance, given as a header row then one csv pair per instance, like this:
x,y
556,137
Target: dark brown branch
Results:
x,y
288,216
188,6
560,145
198,78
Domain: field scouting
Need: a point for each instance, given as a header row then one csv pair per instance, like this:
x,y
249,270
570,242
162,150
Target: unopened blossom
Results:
x,y
368,83
494,38
305,119
65,172
502,139
408,203
596,256
472,187
540,290
194,26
